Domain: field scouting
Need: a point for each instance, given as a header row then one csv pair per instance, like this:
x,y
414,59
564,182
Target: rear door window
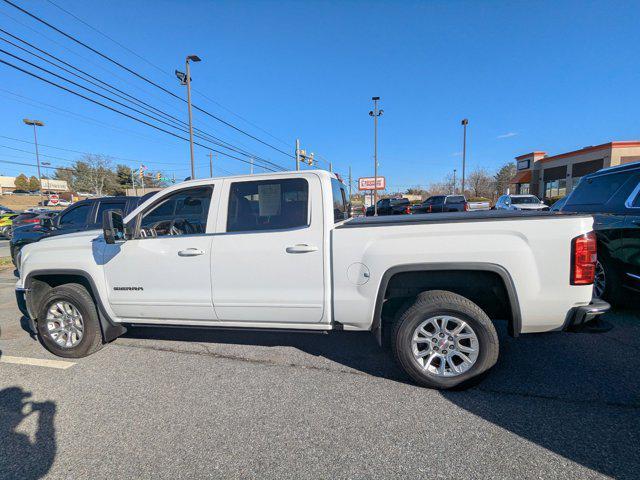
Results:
x,y
76,216
455,199
598,190
268,205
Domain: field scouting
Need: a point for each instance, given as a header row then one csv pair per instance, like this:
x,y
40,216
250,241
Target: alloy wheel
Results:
x,y
65,325
445,346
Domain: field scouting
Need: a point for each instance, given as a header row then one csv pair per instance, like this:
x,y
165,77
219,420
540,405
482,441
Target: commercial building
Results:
x,y
8,184
555,176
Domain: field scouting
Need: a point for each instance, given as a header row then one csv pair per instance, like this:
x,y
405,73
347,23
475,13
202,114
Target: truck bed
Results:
x,y
455,217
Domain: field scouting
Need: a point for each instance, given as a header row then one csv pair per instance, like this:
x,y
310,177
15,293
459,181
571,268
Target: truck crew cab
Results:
x,y
278,251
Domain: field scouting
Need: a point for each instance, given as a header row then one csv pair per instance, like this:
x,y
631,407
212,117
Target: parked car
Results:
x,y
7,192
442,203
275,251
520,202
558,204
613,195
4,210
391,206
21,192
83,215
6,220
25,218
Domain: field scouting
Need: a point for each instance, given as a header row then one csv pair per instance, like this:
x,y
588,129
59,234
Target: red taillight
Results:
x,y
31,220
430,209
407,210
583,259
466,207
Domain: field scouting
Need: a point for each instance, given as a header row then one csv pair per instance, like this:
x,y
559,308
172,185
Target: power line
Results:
x,y
163,71
120,112
201,134
140,76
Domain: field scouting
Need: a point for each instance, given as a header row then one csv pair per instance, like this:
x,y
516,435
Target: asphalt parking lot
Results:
x,y
195,403
4,248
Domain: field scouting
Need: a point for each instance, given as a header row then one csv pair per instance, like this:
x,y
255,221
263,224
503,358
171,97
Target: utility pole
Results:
x,y
185,79
453,188
210,164
464,124
297,154
34,124
331,166
349,183
375,113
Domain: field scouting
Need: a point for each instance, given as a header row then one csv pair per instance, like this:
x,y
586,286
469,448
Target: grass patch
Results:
x,y
5,262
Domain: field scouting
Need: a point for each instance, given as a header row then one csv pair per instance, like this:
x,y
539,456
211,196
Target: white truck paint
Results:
x,y
323,275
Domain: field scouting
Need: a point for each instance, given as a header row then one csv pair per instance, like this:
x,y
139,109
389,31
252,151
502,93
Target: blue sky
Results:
x,y
550,76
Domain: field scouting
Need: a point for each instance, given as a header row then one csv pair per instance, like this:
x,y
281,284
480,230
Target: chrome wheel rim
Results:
x,y
599,281
445,346
64,324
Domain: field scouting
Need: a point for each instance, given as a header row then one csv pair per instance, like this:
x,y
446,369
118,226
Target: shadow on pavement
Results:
x,y
20,457
574,394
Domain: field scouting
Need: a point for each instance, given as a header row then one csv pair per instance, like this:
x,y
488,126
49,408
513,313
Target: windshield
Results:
x,y
524,200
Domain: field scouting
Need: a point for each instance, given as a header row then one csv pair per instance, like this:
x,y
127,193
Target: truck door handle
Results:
x,y
302,248
190,252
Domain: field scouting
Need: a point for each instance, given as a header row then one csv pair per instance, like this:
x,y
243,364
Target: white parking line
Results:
x,y
37,362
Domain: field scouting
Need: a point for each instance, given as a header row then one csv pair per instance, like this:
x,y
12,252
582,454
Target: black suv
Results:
x,y
442,203
83,215
613,196
391,206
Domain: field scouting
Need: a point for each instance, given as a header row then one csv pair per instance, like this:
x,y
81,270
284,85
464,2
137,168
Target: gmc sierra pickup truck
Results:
x,y
277,251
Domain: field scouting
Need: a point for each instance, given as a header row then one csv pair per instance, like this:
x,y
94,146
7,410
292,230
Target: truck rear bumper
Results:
x,y
579,316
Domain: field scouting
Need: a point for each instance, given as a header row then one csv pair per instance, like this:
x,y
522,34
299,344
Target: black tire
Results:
x,y
434,303
79,297
613,287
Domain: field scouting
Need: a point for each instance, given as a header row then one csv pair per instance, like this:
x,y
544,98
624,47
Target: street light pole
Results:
x,y
375,113
210,164
464,124
453,189
36,123
185,79
297,154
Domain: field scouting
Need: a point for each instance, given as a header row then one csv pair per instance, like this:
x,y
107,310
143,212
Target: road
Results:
x,y
4,248
193,403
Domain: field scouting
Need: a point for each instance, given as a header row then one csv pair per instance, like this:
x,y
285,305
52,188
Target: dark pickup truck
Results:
x,y
613,196
83,215
391,206
442,203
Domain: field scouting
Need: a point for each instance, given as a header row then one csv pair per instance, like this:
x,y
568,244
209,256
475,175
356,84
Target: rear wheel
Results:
x,y
606,283
67,322
443,340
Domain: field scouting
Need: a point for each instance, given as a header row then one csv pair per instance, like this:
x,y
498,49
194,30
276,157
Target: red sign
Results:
x,y
369,183
54,199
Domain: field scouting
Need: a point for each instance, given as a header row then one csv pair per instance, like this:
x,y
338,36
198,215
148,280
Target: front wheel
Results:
x,y
67,322
443,340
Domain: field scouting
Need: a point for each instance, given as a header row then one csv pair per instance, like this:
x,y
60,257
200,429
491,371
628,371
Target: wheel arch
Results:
x,y
453,269
38,282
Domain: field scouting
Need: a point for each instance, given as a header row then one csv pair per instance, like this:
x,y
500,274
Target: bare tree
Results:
x,y
480,183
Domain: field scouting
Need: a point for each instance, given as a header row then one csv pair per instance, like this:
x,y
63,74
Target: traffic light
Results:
x,y
310,159
141,172
158,176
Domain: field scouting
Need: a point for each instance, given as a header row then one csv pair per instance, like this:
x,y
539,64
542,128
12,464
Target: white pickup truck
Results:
x,y
278,251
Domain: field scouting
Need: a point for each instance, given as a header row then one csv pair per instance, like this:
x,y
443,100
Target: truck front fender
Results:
x,y
54,277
